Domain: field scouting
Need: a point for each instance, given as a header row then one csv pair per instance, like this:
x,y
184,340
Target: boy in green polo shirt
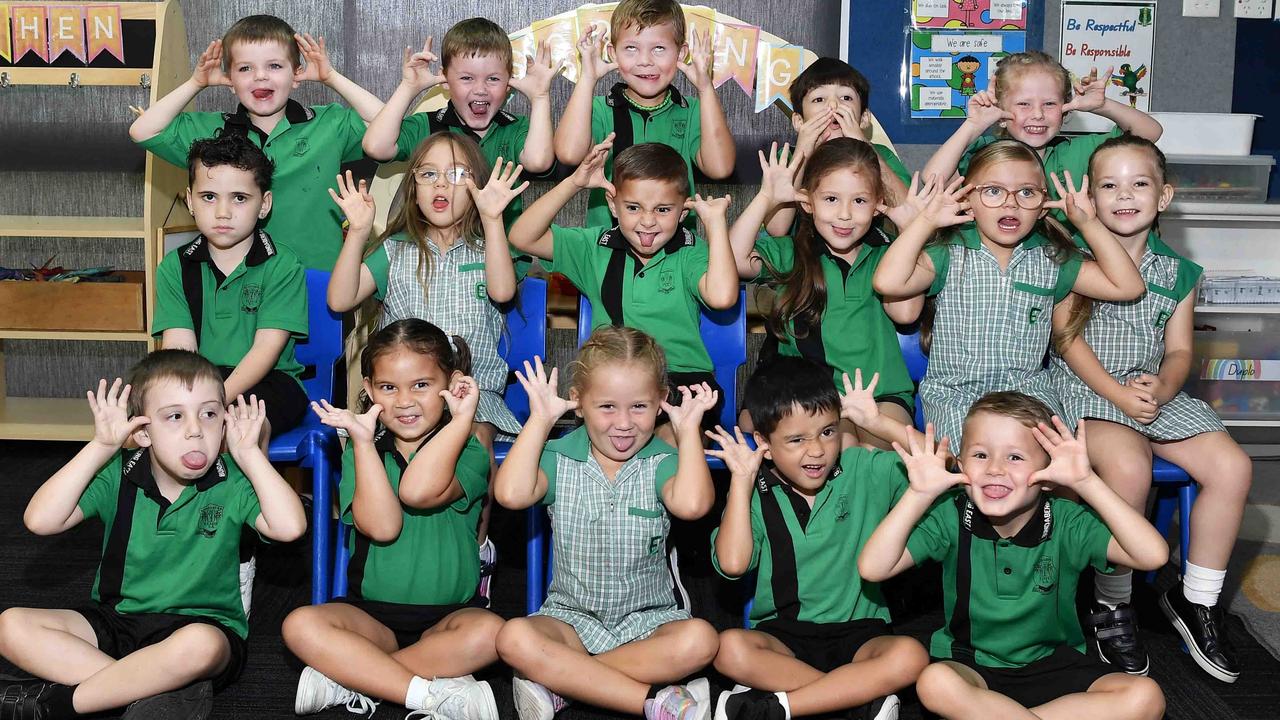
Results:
x,y
166,611
1011,555
820,640
260,58
476,65
647,271
647,47
231,294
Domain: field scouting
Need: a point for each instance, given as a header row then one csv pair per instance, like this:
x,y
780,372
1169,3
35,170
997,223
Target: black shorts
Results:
x,y
286,401
824,646
120,634
894,399
1064,672
676,379
408,622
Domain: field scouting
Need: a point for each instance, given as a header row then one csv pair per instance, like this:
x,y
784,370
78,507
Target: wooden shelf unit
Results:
x,y
72,226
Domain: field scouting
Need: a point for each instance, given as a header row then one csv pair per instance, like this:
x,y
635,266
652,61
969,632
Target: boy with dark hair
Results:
x,y
259,58
476,65
820,640
1011,555
166,611
648,45
231,294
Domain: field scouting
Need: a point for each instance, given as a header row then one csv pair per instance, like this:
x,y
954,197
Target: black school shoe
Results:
x,y
193,702
743,703
27,700
1115,633
1204,631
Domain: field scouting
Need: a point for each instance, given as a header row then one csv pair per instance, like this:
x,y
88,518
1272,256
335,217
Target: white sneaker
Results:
x,y
533,701
457,699
317,692
681,702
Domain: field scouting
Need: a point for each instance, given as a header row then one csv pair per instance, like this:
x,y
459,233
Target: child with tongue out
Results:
x,y
997,279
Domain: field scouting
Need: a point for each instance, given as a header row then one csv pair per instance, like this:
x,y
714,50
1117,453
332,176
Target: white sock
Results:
x,y
416,698
786,706
1201,585
1112,590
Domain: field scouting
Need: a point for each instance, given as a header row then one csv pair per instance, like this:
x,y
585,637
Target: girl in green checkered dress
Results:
x,y
997,280
610,633
1122,366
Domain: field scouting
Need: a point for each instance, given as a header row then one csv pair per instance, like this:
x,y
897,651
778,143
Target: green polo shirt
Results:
x,y
678,125
807,558
967,235
854,332
576,445
504,139
435,560
267,290
1009,602
181,557
308,147
660,297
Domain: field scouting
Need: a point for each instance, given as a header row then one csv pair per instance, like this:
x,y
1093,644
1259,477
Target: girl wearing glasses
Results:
x,y
997,277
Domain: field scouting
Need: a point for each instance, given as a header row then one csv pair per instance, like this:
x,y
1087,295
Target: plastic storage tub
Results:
x,y
1206,133
1220,178
1238,374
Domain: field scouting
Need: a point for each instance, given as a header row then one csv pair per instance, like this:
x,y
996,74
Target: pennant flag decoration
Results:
x,y
600,18
105,34
736,55
6,49
561,31
30,31
522,48
698,20
777,67
66,31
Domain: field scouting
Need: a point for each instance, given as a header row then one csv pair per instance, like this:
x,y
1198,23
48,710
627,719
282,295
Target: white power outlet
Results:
x,y
1201,8
1257,9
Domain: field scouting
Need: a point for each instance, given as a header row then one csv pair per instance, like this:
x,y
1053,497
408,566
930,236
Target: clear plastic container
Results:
x,y
1238,373
1220,178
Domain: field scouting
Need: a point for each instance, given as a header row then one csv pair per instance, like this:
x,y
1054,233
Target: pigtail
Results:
x,y
461,355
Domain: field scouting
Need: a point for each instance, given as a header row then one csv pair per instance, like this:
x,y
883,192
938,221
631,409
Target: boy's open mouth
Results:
x,y
263,93
195,460
647,239
814,471
479,108
622,443
1125,212
1035,129
996,492
408,419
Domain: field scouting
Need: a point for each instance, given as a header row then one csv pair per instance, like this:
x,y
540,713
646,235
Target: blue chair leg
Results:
x,y
1166,503
1186,498
321,536
340,559
535,554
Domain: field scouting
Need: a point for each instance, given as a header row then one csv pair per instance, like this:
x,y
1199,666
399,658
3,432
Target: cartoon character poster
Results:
x,y
949,66
970,14
1115,36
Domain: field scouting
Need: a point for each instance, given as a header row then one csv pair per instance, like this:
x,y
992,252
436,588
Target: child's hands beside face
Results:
x,y
317,66
811,129
112,425
590,173
539,71
492,200
850,125
710,209
1090,92
983,110
544,400
356,203
360,428
1075,202
208,70
742,461
695,401
417,71
926,464
944,207
779,173
593,66
700,63
858,403
462,398
1068,456
913,205
244,425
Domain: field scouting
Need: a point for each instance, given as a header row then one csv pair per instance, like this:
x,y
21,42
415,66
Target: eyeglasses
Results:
x,y
456,175
1027,198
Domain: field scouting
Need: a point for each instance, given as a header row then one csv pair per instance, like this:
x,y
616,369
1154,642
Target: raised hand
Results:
x,y
699,65
709,208
462,398
360,428
544,401
779,173
1090,92
244,425
850,126
590,172
492,199
539,71
356,202
208,72
947,207
112,425
695,401
1068,456
812,129
1138,402
858,403
742,461
591,56
926,464
317,58
1076,203
417,69
914,204
983,109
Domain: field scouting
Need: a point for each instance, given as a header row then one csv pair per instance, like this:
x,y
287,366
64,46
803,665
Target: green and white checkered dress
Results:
x,y
610,578
456,300
992,327
1128,338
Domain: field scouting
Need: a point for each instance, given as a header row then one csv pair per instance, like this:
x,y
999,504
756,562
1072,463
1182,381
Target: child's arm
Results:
x,y
1111,275
1136,402
734,543
280,516
716,153
885,554
531,233
1091,96
351,282
573,134
55,507
905,269
366,104
538,154
778,172
268,343
1134,542
718,286
519,481
431,480
374,507
179,339
858,406
499,270
1176,363
903,311
983,112
689,494
779,220
208,72
416,75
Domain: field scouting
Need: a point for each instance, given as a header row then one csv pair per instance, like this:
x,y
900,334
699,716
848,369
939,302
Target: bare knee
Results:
x,y
733,655
480,635
1235,472
1129,475
908,657
1137,698
299,627
199,649
516,641
12,624
941,688
697,642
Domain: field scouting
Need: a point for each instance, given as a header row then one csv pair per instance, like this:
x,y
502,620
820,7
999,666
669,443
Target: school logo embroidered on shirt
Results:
x,y
210,516
1033,315
301,147
678,127
842,508
666,281
482,292
1046,575
250,298
1161,319
655,544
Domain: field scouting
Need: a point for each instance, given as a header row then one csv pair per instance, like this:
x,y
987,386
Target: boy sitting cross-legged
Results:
x,y
166,611
1011,646
820,640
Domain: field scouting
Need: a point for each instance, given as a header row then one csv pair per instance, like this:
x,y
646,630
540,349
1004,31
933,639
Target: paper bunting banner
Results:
x,y
6,49
66,31
776,68
698,20
30,31
736,55
598,17
562,32
522,48
103,23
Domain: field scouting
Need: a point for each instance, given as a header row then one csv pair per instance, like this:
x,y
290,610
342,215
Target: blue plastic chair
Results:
x,y
917,364
1174,490
311,444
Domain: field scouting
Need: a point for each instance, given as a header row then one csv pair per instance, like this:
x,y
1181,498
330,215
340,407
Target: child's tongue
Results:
x,y
622,444
439,204
194,460
995,492
1009,223
647,239
263,94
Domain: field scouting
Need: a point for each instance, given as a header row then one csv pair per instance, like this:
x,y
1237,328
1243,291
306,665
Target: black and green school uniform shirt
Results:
x,y
267,290
660,297
435,559
854,333
181,557
807,558
1009,602
308,147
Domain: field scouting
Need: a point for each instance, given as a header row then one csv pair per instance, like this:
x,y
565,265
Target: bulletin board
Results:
x,y
952,50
